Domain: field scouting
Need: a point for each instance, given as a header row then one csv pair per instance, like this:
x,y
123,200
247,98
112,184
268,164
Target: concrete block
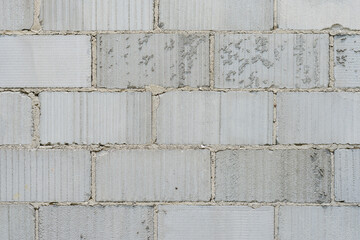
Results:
x,y
46,61
215,222
347,61
56,175
271,60
216,15
153,175
95,222
320,14
16,14
347,178
273,175
85,15
17,222
95,117
319,222
138,60
15,118
318,117
215,118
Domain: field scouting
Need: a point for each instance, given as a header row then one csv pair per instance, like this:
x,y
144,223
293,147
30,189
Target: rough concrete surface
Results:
x,y
16,14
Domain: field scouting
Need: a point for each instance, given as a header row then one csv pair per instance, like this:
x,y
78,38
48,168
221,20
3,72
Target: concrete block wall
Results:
x,y
179,119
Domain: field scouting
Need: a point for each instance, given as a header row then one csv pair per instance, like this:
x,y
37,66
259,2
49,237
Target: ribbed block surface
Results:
x,y
15,118
80,15
214,117
216,14
45,61
138,60
271,60
347,177
312,222
95,117
215,222
153,175
318,117
95,222
17,222
272,176
347,61
44,175
16,14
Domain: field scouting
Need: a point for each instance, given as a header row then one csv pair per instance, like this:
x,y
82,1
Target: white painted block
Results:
x,y
56,175
95,117
153,175
216,14
17,222
138,60
319,222
215,118
95,222
347,177
78,15
15,118
318,14
215,222
271,60
16,14
318,117
45,61
347,61
273,175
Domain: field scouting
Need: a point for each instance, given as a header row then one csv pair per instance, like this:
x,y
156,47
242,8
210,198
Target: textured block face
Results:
x,y
98,222
271,60
138,60
216,15
347,61
272,176
318,117
95,117
46,61
347,178
15,118
16,14
213,118
44,175
312,222
320,14
153,175
85,15
17,222
215,222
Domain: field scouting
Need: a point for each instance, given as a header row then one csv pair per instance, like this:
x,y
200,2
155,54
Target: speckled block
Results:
x,y
16,14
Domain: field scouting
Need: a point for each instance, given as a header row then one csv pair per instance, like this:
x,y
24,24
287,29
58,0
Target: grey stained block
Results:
x,y
153,175
347,177
45,175
85,15
318,117
96,222
15,118
16,14
273,175
138,60
17,222
319,14
319,222
271,60
46,61
347,61
216,15
215,222
95,117
215,118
